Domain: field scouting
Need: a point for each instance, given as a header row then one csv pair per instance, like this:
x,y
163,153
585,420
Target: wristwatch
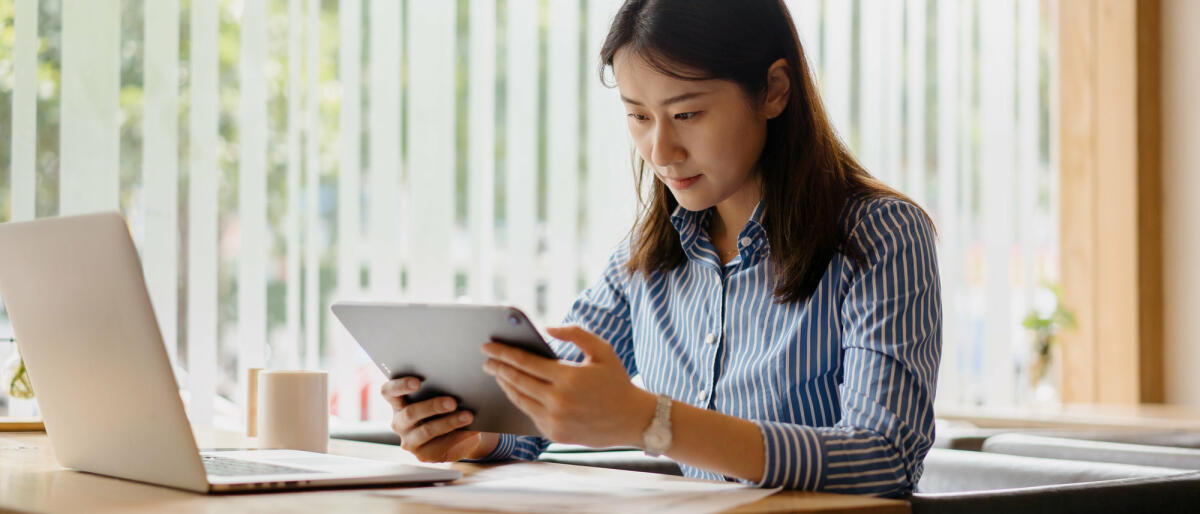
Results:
x,y
657,437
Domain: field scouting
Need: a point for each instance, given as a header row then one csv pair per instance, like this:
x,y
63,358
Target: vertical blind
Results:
x,y
274,156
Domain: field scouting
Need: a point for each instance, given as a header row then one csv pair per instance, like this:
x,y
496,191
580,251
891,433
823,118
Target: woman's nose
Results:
x,y
665,150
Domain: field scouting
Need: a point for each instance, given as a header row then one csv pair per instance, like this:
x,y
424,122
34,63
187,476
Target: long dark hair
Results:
x,y
808,174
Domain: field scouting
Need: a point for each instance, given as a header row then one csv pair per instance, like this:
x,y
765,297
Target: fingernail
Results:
x,y
447,404
464,417
411,383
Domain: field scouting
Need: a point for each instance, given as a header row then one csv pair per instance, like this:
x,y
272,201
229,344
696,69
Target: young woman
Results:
x,y
782,306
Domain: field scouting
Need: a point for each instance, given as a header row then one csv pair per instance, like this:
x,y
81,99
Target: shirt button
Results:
x,y
703,396
710,338
745,241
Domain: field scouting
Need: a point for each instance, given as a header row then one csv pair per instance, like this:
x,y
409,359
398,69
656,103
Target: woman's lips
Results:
x,y
683,183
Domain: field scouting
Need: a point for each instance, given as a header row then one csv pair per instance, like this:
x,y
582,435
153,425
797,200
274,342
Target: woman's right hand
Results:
x,y
432,429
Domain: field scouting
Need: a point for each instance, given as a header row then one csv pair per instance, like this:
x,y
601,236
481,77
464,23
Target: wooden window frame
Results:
x,y
1110,200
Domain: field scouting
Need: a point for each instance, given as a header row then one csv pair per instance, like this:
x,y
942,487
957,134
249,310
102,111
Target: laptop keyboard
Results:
x,y
222,466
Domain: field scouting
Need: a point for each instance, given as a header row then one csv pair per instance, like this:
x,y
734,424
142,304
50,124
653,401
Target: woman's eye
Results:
x,y
637,117
686,115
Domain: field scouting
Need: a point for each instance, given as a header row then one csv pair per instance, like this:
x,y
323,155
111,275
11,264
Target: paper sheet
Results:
x,y
517,488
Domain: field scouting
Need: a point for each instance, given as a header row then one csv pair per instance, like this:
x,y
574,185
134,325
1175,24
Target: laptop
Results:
x,y
82,316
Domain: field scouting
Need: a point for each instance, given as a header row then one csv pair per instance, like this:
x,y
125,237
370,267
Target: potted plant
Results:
x,y
1046,321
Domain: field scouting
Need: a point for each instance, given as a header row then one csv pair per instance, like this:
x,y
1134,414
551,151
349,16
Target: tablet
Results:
x,y
439,343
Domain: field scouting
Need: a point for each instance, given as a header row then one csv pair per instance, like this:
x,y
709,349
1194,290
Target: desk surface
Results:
x,y
31,480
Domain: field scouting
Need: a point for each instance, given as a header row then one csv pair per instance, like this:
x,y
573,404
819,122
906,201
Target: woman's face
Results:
x,y
701,138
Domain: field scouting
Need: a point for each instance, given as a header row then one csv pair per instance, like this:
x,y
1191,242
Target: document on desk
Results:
x,y
518,488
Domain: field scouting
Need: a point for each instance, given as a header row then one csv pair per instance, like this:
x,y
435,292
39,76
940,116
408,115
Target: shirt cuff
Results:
x,y
793,456
503,451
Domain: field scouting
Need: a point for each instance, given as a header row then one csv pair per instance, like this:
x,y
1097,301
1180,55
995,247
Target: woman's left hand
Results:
x,y
592,403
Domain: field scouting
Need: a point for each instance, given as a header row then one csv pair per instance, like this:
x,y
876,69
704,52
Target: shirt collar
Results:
x,y
693,234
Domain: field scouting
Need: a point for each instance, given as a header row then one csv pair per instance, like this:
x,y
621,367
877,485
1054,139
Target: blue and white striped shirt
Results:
x,y
840,384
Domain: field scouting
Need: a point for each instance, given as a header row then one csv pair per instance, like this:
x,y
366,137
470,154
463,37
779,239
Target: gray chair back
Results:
x,y
1093,451
949,471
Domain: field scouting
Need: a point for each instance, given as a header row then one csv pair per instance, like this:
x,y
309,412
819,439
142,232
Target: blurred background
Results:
x,y
273,156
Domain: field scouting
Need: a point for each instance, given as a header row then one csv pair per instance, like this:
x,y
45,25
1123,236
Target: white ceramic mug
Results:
x,y
293,410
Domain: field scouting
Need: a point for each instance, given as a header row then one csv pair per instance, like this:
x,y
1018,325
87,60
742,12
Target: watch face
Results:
x,y
656,438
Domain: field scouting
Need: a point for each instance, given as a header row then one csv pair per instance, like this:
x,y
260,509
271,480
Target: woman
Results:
x,y
783,304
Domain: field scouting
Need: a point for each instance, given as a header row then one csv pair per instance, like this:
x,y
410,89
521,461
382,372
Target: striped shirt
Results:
x,y
841,384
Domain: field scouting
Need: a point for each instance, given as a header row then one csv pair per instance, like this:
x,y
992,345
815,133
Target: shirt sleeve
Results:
x,y
891,344
602,309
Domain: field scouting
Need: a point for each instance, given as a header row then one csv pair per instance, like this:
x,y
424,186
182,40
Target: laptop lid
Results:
x,y
82,317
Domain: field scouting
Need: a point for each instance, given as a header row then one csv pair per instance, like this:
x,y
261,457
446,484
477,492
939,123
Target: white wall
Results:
x,y
1181,210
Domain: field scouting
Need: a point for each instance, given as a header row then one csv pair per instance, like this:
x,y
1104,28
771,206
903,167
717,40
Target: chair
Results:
x,y
1093,451
978,482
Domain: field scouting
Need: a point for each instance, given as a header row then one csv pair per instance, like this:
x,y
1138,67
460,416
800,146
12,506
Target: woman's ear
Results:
x,y
778,89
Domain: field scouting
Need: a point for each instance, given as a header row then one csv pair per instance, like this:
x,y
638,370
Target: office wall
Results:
x,y
1181,207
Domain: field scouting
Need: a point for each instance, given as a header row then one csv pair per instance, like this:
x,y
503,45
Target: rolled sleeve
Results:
x,y
794,456
515,447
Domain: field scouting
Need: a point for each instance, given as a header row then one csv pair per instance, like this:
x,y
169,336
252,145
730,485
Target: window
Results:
x,y
274,156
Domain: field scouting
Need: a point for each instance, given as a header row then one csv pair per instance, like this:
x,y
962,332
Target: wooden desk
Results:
x,y
31,480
